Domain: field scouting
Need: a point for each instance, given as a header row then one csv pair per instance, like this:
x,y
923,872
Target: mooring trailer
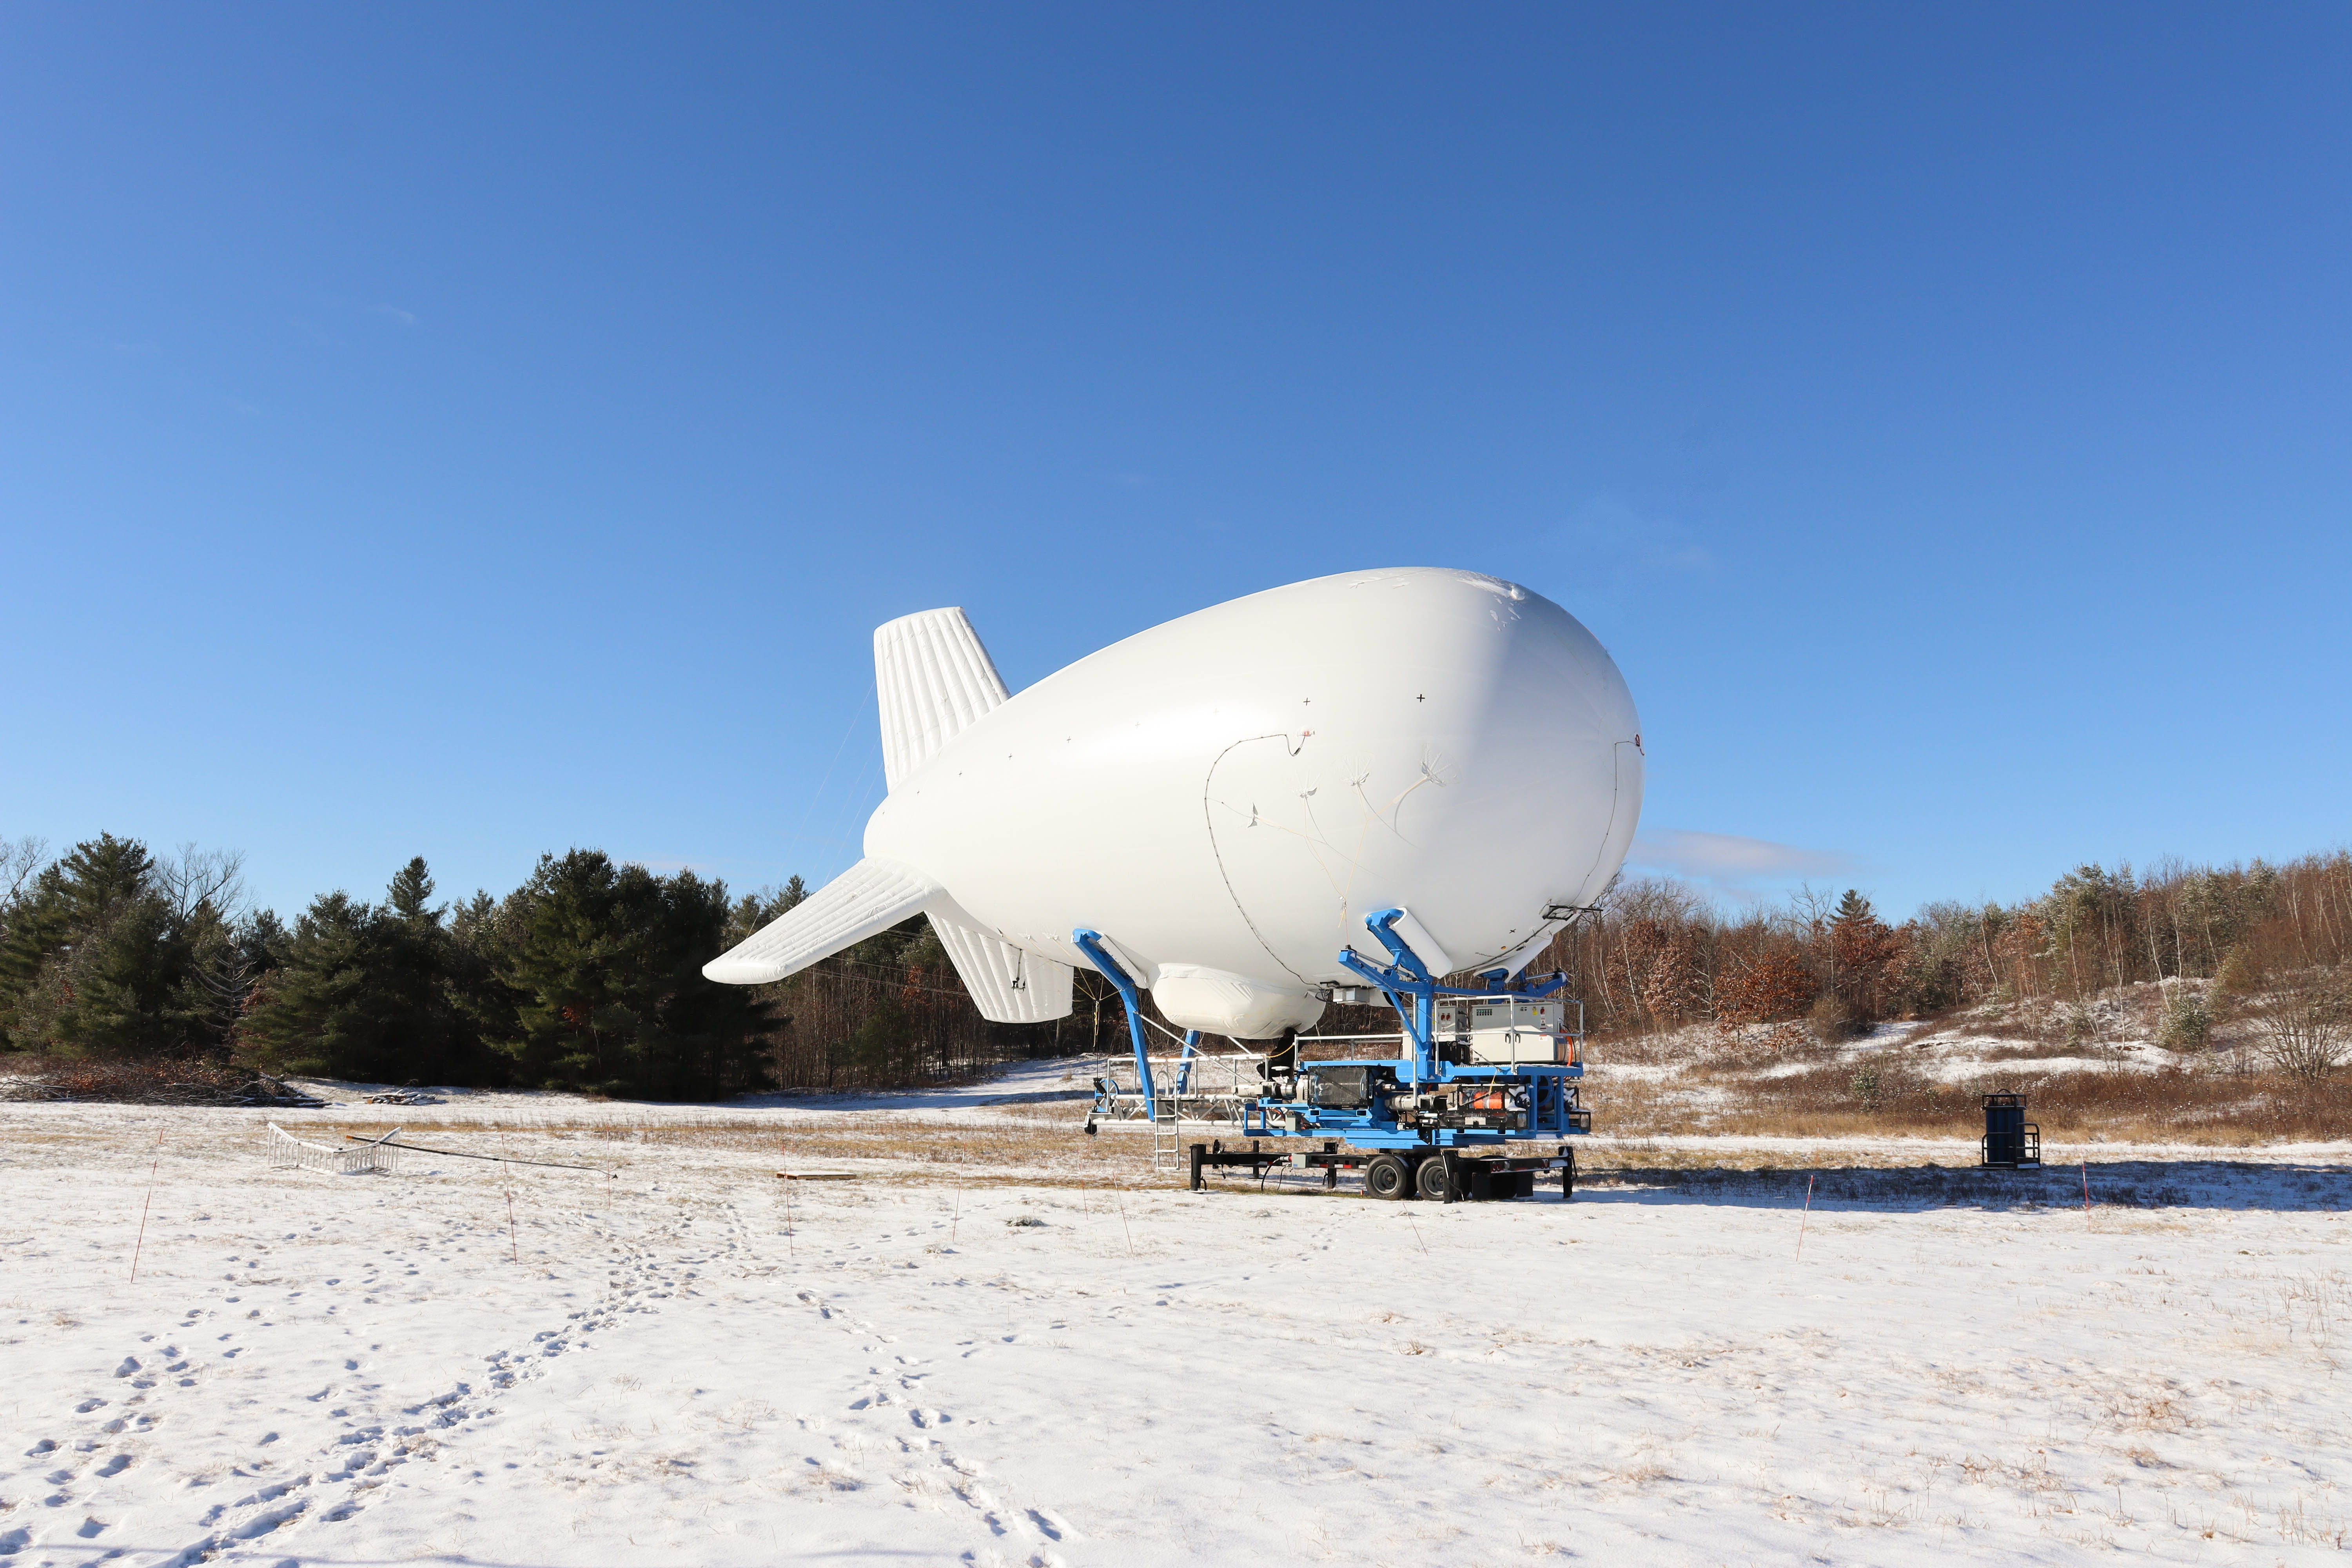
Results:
x,y
1483,1074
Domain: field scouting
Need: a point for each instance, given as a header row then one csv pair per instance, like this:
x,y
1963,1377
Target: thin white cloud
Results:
x,y
404,318
661,863
1730,861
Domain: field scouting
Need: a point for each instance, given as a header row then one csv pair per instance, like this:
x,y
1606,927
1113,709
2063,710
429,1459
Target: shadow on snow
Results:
x,y
2281,1188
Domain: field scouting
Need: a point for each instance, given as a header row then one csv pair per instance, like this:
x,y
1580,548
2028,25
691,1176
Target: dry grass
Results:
x,y
2082,1085
2220,1108
1043,1147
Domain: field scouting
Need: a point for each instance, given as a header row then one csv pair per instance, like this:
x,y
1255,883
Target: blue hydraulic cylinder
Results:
x,y
1417,983
1090,943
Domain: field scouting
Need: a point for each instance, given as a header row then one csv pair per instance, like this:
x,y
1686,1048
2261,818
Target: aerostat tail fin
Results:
x,y
1009,986
933,679
871,896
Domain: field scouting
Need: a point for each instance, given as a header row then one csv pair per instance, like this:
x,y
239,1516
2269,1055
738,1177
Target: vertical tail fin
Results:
x,y
933,679
1008,985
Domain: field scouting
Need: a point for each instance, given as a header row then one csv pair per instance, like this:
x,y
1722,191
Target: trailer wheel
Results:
x,y
1385,1177
1432,1178
1568,1177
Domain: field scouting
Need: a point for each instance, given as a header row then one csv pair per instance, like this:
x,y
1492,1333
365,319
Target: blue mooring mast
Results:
x,y
1482,1070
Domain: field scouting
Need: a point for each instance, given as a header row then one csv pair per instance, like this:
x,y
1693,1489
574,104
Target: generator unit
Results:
x,y
1503,1027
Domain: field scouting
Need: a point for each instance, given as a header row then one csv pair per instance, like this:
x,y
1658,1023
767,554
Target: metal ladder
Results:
x,y
1167,1138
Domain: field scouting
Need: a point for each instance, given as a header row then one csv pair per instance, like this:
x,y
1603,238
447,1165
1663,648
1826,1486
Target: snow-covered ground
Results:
x,y
1946,1054
943,1362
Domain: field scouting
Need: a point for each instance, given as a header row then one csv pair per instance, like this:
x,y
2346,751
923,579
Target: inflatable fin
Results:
x,y
1009,986
871,896
933,679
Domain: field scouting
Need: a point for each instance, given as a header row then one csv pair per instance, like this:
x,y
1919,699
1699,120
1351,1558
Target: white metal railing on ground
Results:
x,y
287,1150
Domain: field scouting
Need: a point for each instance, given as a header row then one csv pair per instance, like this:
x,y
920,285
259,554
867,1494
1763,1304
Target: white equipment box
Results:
x,y
1506,1029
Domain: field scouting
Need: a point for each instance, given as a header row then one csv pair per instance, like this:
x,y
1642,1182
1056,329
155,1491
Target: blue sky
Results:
x,y
469,431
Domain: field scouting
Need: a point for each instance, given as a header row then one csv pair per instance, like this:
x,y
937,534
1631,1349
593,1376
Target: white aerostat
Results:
x,y
1224,797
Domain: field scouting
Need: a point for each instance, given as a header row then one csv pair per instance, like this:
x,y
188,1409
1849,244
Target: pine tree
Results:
x,y
97,958
410,888
40,929
104,873
753,911
120,988
605,965
317,1015
1861,948
366,992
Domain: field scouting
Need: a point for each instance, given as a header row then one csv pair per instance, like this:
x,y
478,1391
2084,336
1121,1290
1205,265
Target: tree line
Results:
x,y
1661,956
588,976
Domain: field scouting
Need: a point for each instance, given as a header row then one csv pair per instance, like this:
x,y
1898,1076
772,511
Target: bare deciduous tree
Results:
x,y
2306,1030
193,877
21,860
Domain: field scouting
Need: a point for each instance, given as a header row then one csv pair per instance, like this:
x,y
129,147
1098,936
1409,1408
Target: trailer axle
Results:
x,y
1438,1173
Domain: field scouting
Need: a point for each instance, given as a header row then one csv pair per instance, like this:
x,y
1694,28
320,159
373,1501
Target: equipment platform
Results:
x,y
1474,1072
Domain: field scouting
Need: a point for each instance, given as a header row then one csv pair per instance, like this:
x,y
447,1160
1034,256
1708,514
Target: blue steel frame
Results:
x,y
1551,1109
1551,1112
1090,943
1185,1066
1407,976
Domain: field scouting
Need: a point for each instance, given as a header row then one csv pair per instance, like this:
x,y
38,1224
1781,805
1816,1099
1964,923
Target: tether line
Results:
x,y
456,1155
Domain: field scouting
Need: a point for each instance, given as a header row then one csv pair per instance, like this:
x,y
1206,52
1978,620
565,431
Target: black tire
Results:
x,y
1568,1177
1430,1179
1386,1178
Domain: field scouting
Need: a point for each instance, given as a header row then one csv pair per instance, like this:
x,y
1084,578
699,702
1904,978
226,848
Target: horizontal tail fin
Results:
x,y
933,679
871,896
1009,986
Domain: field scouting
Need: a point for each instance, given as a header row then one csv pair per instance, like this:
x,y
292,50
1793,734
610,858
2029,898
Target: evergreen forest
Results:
x,y
587,977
